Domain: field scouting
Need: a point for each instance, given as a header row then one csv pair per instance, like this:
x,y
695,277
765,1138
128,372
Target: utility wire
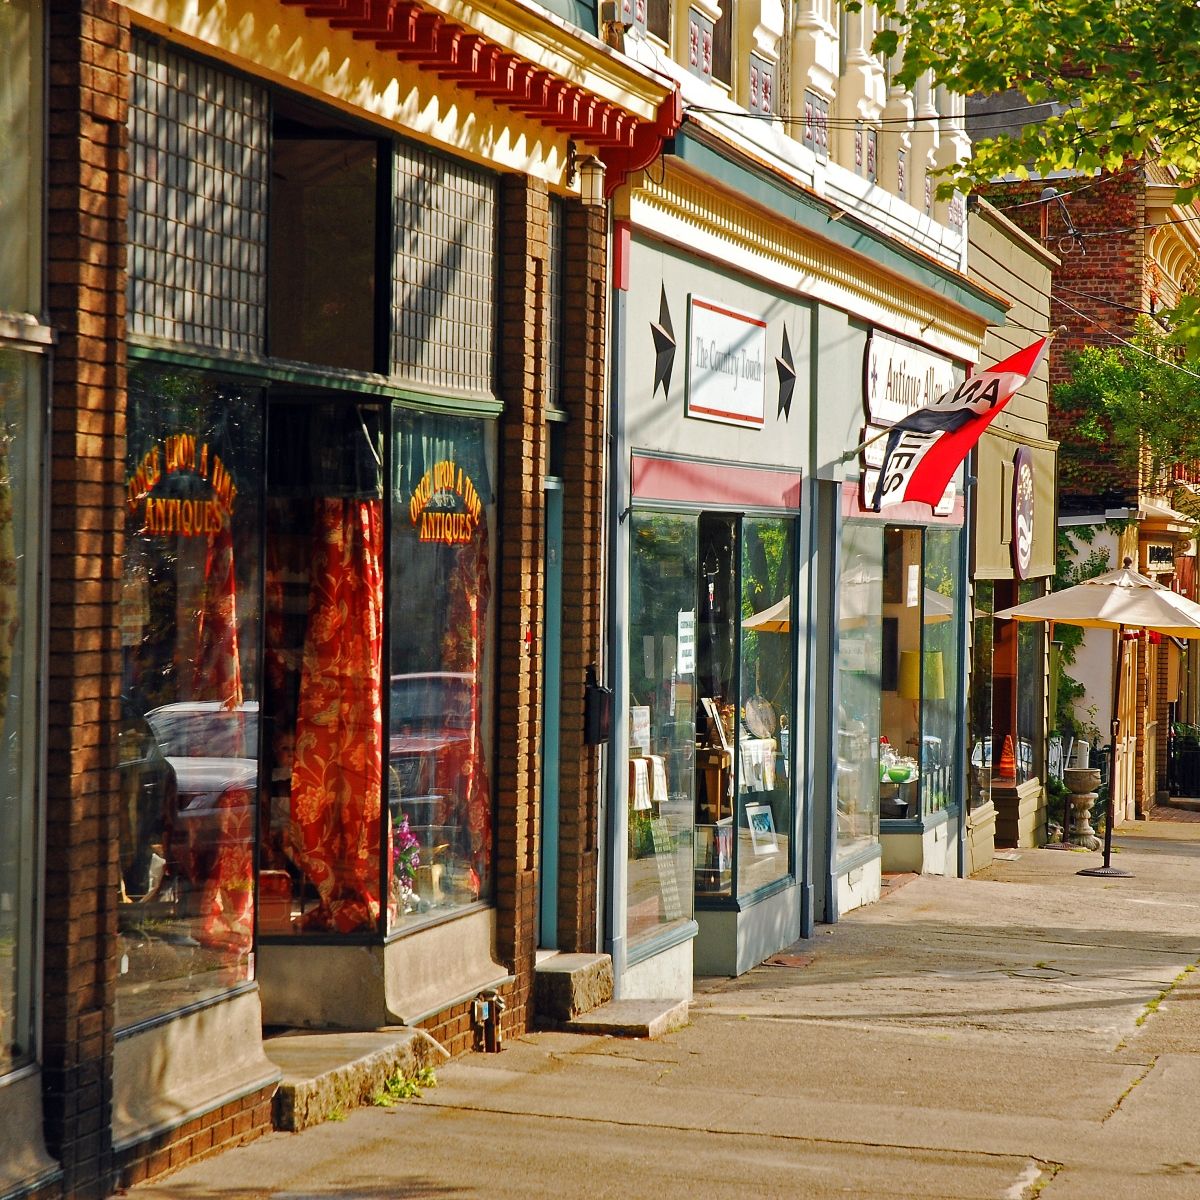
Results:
x,y
1126,342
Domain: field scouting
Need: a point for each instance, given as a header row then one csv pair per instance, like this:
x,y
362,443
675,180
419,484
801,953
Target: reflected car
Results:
x,y
981,755
429,740
213,751
149,807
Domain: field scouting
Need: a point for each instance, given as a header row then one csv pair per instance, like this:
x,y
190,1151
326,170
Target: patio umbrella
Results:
x,y
1117,600
856,609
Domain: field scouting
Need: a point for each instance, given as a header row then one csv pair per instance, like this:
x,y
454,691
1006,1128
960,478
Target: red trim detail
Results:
x,y
745,318
416,34
647,143
720,485
911,512
622,241
739,418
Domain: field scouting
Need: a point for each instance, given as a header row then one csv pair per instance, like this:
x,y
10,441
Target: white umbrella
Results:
x,y
1117,600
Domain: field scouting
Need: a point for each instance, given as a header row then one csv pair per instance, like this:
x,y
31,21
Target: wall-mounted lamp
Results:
x,y
589,171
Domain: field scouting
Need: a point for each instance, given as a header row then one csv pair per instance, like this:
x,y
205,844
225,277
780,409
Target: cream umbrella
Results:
x,y
1117,600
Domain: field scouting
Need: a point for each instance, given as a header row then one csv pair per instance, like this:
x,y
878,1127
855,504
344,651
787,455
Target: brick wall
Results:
x,y
226,1126
583,569
88,95
1096,289
524,229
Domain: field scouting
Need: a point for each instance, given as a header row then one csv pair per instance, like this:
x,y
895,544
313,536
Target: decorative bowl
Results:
x,y
899,774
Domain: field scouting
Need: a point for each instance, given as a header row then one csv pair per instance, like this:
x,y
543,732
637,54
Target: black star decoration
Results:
x,y
786,369
664,347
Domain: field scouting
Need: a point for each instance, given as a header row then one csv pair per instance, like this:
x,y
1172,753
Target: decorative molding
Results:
x,y
680,207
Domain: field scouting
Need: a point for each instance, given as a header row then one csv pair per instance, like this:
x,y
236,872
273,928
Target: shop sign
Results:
x,y
179,455
727,353
899,377
1022,518
445,506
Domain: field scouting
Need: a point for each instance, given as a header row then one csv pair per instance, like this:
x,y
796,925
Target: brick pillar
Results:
x,y
584,329
88,96
520,593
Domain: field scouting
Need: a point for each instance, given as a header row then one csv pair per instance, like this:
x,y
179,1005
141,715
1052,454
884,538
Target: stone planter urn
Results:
x,y
1082,783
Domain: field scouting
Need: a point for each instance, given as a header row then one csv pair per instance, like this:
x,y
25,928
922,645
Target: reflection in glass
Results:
x,y
440,753
768,652
939,669
980,790
321,858
20,401
901,672
1031,687
662,772
859,667
188,741
19,203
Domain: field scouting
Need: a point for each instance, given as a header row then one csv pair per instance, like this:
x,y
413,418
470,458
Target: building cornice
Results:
x,y
688,207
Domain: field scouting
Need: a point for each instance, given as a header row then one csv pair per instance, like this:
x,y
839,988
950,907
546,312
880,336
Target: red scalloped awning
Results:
x,y
434,43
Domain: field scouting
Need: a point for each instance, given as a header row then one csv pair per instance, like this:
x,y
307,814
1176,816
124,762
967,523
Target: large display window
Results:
x,y
379,757
190,636
860,684
711,710
21,392
663,766
941,620
1031,687
979,792
900,603
442,647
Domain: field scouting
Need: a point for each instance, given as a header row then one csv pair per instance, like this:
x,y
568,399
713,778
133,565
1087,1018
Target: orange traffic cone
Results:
x,y
1008,760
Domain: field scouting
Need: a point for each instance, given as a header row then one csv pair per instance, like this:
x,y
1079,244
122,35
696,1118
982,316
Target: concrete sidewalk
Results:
x,y
1025,1033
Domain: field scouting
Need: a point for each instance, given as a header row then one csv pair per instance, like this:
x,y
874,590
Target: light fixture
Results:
x,y
589,171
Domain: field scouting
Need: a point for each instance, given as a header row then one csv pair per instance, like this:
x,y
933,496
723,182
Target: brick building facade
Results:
x,y
174,915
1125,250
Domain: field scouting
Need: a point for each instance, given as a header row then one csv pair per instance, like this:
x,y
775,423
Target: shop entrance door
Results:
x,y
551,711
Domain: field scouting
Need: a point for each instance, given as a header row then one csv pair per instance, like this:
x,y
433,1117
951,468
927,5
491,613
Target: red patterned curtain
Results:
x,y
334,830
227,900
469,588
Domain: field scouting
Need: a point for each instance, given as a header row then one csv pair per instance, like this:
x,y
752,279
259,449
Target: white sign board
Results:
x,y
900,377
685,645
727,360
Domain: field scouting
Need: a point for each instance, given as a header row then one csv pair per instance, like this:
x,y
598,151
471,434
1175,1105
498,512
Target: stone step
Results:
x,y
567,985
327,1073
631,1018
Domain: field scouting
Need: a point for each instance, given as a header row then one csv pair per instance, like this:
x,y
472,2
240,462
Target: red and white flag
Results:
x,y
925,448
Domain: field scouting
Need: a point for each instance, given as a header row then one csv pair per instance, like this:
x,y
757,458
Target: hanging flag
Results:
x,y
925,448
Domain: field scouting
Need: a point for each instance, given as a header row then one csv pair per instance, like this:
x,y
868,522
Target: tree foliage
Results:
x,y
1142,401
1123,74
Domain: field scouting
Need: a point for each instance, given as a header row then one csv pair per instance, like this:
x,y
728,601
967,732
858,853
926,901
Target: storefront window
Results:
x,y
1031,687
941,602
20,453
442,646
663,771
901,674
321,863
768,653
20,244
980,789
190,645
859,668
